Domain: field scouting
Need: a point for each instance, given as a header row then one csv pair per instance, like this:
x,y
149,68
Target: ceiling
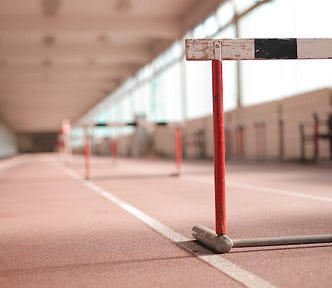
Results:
x,y
59,58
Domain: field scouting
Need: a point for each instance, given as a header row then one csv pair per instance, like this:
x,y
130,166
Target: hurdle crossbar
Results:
x,y
258,49
113,124
217,50
140,123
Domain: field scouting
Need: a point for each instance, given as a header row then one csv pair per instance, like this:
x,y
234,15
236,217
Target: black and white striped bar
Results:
x,y
134,124
114,124
258,49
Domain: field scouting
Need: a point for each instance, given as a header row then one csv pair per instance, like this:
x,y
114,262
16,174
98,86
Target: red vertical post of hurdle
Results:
x,y
281,139
114,150
87,154
219,147
316,136
178,149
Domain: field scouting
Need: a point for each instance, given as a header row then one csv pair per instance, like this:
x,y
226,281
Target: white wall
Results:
x,y
8,145
293,110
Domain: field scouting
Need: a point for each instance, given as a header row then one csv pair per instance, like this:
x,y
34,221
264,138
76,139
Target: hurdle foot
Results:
x,y
207,237
176,174
277,241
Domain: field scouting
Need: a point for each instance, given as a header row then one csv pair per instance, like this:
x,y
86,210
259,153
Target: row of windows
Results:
x,y
171,89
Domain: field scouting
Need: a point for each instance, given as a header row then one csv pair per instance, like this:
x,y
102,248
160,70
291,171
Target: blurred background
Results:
x,y
114,60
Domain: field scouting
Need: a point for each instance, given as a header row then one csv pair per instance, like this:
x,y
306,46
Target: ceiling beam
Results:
x,y
201,12
117,25
67,59
39,78
126,53
46,92
84,67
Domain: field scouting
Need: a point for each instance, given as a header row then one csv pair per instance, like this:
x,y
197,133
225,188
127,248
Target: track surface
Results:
x,y
57,232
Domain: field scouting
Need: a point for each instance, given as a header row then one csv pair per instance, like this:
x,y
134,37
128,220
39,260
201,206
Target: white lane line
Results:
x,y
258,188
278,191
7,165
235,272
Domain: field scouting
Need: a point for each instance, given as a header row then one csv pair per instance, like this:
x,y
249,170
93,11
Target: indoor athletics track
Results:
x,y
130,225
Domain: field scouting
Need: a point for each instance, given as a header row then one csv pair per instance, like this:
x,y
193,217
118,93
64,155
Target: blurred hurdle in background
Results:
x,y
64,141
139,123
217,50
319,129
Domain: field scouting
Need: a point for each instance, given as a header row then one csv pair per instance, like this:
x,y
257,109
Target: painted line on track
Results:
x,y
279,191
235,272
263,189
7,166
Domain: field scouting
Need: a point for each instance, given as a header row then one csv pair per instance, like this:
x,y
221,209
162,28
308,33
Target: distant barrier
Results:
x,y
321,119
178,140
195,145
64,142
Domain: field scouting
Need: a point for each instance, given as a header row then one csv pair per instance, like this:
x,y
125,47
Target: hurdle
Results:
x,y
87,153
317,134
281,139
87,147
322,135
218,50
139,123
65,146
195,142
114,150
178,150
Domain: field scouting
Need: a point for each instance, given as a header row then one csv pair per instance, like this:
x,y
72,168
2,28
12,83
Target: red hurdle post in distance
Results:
x,y
114,150
87,154
316,136
178,149
66,132
177,143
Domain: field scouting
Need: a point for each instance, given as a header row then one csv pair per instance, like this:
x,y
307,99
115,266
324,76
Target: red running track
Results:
x,y
57,231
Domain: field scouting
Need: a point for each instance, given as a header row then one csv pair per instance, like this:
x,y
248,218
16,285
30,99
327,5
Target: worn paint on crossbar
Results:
x,y
258,49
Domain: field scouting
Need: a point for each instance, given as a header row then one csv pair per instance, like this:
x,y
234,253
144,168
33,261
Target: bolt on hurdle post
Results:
x,y
218,50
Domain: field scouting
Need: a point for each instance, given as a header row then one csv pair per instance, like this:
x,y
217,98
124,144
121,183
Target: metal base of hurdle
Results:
x,y
223,244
